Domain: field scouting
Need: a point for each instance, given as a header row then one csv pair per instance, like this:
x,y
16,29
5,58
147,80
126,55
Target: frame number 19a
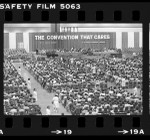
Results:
x,y
132,132
136,132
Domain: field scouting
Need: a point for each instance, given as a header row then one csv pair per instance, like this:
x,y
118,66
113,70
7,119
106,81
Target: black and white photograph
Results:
x,y
72,69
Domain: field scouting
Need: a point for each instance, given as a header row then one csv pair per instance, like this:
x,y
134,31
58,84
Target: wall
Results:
x,y
128,36
97,44
26,29
125,36
20,34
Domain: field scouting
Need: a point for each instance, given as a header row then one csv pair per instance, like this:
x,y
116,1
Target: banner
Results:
x,y
62,36
83,40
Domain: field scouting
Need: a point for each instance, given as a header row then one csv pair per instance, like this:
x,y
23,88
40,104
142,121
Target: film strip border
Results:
x,y
81,125
95,14
63,16
95,125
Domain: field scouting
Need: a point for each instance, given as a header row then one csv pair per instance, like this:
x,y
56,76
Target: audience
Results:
x,y
92,86
84,86
18,99
15,54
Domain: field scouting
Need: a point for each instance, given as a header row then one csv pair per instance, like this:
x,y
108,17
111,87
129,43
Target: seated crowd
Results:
x,y
92,86
72,50
17,97
14,54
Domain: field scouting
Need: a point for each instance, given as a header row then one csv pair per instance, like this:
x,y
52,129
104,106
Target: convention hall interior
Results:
x,y
72,69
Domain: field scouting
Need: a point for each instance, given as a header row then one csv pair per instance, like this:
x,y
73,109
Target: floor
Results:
x,y
44,98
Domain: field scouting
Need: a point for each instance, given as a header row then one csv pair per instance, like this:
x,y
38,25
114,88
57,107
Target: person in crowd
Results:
x,y
76,83
19,70
55,102
135,91
48,111
35,94
62,114
64,72
29,84
18,99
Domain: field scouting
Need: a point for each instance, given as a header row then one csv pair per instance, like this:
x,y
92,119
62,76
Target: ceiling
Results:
x,y
103,25
81,25
26,25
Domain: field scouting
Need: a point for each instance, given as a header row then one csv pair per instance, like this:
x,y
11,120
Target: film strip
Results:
x,y
36,27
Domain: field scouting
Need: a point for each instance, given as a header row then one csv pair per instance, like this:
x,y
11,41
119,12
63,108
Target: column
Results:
x,y
12,40
140,40
119,40
26,41
130,39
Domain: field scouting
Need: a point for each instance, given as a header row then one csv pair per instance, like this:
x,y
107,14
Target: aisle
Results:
x,y
44,98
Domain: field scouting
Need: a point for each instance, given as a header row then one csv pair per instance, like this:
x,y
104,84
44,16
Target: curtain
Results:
x,y
19,40
124,41
140,40
136,40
